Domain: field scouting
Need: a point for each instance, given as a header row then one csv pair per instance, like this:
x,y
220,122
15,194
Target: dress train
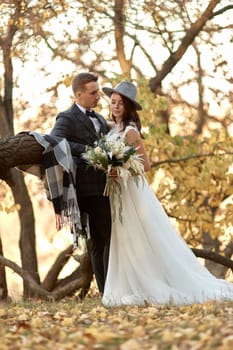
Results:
x,y
150,262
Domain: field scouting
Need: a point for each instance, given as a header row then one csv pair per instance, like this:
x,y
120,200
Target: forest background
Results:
x,y
179,53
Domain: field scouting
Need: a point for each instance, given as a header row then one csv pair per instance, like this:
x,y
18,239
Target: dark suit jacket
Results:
x,y
79,131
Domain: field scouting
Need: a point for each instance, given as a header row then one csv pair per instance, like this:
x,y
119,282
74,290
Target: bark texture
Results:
x,y
3,284
18,150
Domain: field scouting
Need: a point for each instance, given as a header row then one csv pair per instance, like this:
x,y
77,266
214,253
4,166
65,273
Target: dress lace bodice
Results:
x,y
117,131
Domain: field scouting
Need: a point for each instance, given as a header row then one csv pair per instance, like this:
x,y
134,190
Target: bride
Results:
x,y
149,262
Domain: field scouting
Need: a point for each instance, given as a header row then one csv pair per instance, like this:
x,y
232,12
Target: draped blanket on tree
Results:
x,y
40,155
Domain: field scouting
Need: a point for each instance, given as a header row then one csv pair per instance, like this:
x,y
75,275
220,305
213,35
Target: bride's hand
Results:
x,y
113,172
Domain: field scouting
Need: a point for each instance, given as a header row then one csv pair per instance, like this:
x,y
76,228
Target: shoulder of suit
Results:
x,y
69,112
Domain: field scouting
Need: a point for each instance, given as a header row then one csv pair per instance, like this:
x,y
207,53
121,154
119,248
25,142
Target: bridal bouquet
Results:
x,y
118,160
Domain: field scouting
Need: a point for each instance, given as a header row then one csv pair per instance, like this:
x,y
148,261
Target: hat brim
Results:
x,y
109,91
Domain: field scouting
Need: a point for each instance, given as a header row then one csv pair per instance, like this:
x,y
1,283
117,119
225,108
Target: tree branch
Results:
x,y
60,292
221,11
191,34
184,159
35,287
51,277
220,259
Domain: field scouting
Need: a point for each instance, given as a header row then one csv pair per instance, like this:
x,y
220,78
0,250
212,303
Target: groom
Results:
x,y
80,125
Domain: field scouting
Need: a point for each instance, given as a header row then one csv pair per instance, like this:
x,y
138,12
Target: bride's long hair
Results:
x,y
130,115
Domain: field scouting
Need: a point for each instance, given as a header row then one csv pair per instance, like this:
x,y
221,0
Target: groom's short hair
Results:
x,y
80,80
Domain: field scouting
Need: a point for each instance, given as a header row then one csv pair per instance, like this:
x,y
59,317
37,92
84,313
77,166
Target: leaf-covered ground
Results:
x,y
70,325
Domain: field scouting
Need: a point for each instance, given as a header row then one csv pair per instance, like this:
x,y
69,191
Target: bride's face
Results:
x,y
117,106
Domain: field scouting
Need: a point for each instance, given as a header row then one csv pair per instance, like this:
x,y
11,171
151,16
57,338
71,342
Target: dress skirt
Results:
x,y
149,261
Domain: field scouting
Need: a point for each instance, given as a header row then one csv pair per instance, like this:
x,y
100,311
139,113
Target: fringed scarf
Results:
x,y
60,172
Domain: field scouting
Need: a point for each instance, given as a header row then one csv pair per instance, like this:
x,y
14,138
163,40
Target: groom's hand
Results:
x,y
58,222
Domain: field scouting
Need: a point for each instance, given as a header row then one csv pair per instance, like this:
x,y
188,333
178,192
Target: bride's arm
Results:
x,y
110,124
133,138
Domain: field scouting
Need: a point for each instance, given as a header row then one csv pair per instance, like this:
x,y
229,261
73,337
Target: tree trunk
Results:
x,y
16,150
119,31
19,190
3,284
27,242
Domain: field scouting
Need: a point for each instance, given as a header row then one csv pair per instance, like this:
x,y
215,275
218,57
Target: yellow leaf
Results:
x,y
3,313
37,322
168,336
139,331
131,344
228,341
67,322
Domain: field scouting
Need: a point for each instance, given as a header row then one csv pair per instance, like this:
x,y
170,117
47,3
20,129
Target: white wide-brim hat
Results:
x,y
126,89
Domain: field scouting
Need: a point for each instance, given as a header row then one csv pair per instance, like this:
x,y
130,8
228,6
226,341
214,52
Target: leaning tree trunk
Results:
x,y
16,150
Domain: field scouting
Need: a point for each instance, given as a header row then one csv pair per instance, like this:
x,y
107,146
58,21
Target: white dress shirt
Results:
x,y
94,120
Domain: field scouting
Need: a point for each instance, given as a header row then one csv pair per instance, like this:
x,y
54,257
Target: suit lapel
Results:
x,y
102,124
85,120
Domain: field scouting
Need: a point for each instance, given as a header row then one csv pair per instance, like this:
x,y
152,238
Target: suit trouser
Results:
x,y
99,212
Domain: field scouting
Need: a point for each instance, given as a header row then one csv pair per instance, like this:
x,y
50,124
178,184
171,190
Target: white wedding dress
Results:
x,y
150,262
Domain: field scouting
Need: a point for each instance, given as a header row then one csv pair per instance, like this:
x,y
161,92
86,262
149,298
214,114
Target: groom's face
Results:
x,y
89,96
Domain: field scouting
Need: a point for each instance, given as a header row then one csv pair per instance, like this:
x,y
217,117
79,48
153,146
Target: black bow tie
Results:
x,y
90,114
